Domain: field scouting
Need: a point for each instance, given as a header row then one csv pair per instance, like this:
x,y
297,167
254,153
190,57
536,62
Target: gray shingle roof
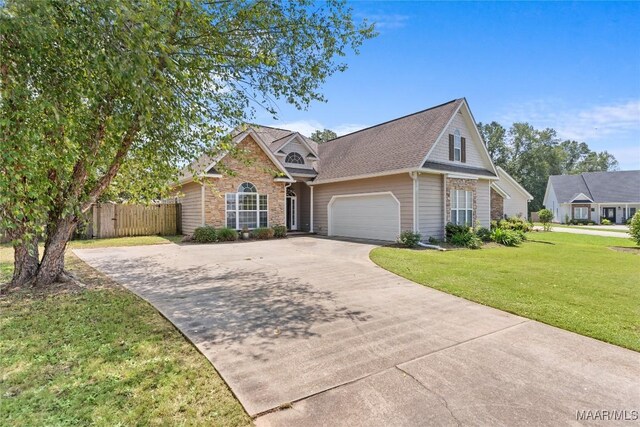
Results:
x,y
397,144
601,187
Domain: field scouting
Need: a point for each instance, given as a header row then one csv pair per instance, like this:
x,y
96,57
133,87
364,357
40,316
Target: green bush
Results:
x,y
483,234
279,231
581,222
628,222
515,223
409,239
205,234
227,234
262,233
634,228
474,242
451,229
434,241
605,221
507,237
546,216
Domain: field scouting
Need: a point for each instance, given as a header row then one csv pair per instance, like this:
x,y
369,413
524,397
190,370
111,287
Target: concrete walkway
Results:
x,y
589,231
308,331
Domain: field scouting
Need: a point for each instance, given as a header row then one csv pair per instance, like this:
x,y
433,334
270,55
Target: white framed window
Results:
x,y
294,158
461,207
246,208
457,146
581,213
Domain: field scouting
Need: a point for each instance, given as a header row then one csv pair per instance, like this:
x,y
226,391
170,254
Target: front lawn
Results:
x,y
102,356
575,282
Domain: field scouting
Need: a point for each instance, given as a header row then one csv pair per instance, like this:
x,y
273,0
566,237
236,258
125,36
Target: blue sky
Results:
x,y
574,67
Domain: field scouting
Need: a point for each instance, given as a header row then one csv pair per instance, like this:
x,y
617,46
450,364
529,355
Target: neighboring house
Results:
x,y
508,197
416,172
594,196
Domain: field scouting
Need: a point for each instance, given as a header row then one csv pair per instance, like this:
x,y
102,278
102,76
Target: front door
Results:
x,y
610,214
292,213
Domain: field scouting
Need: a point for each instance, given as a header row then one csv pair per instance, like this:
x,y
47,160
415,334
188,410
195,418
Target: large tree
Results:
x,y
119,93
321,136
531,155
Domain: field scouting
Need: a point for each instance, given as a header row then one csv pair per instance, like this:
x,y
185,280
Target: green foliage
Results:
x,y
321,136
227,234
582,222
507,237
514,223
451,229
107,99
566,218
409,239
531,155
434,241
605,221
279,231
466,239
634,228
262,233
205,234
546,216
483,234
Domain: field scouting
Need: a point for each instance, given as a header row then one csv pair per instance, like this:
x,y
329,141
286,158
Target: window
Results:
x,y
246,208
294,158
457,146
581,212
461,207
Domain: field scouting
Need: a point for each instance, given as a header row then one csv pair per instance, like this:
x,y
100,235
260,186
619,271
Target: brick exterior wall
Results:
x,y
461,184
497,205
251,165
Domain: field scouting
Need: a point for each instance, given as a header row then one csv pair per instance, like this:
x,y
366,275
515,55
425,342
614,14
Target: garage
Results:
x,y
365,216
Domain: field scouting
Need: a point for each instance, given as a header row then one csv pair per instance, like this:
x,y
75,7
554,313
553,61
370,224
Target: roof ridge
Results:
x,y
271,127
586,185
397,118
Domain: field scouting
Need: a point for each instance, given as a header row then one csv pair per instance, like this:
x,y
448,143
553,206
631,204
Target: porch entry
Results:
x,y
610,214
292,210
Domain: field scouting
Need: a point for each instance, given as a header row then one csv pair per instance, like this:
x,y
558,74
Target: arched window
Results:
x,y
247,187
294,158
457,146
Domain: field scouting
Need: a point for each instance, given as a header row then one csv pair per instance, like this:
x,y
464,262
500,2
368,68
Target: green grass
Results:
x,y
102,356
586,227
575,282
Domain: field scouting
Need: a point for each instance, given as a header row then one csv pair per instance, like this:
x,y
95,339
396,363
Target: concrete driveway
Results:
x,y
308,331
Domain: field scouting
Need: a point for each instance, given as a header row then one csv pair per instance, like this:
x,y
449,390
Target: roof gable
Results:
x,y
399,144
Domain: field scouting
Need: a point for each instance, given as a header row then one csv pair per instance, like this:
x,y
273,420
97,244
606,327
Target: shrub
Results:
x,y
434,241
546,216
279,231
474,242
461,238
227,234
605,221
262,233
483,234
451,229
634,228
409,239
507,237
205,234
515,223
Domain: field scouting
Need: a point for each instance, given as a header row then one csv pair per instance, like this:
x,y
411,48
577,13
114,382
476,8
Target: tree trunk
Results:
x,y
25,264
52,265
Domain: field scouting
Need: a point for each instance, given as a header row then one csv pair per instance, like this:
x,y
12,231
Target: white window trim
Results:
x,y
237,211
293,163
458,209
577,209
457,146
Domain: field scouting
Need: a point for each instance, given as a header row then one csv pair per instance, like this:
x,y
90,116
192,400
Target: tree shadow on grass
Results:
x,y
215,305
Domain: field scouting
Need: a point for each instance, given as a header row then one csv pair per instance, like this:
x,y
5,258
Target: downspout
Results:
x,y
202,201
414,177
311,212
444,206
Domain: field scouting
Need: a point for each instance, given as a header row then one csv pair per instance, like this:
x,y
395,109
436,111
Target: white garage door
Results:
x,y
370,216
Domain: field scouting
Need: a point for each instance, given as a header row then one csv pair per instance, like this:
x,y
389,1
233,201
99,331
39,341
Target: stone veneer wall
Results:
x,y
497,205
252,165
462,184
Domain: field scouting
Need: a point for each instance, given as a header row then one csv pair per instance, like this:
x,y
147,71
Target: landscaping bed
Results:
x,y
575,282
96,354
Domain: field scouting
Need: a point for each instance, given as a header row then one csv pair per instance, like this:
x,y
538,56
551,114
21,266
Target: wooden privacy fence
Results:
x,y
113,220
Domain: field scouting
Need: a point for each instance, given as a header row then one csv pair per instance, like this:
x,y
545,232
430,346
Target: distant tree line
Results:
x,y
531,155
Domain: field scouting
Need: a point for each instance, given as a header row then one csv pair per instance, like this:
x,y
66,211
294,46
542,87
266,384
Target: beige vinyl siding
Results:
x,y
430,206
400,185
190,196
483,202
517,204
475,152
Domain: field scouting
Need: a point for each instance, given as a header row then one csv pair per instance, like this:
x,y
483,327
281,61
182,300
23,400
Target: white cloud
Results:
x,y
385,21
307,127
594,122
